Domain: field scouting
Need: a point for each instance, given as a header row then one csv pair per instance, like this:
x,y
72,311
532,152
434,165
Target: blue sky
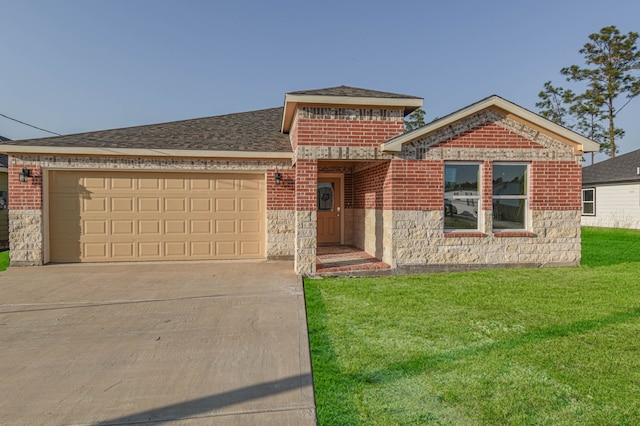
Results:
x,y
73,66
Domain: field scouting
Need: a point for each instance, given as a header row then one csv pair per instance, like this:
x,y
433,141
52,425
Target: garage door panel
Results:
x,y
122,227
149,205
95,252
251,205
149,227
91,227
175,205
126,216
202,249
150,250
202,205
225,184
226,205
226,227
201,184
201,227
123,183
122,251
122,204
175,184
95,183
175,248
250,226
249,248
94,204
175,227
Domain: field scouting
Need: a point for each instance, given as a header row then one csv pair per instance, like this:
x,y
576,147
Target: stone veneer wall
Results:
x,y
420,244
26,237
25,209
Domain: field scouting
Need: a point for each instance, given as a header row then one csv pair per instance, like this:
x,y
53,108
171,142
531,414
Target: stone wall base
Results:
x,y
26,238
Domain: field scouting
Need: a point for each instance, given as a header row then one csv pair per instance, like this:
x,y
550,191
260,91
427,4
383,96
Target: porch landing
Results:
x,y
348,261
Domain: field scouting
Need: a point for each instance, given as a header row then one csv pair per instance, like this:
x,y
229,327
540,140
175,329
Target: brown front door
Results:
x,y
329,207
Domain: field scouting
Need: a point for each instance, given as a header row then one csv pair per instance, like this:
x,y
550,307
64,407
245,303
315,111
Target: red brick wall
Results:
x,y
415,185
369,187
281,197
324,132
400,185
306,185
489,135
487,185
25,195
555,185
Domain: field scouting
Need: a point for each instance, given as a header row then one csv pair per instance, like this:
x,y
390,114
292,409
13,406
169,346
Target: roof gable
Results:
x,y
489,135
623,168
578,142
345,96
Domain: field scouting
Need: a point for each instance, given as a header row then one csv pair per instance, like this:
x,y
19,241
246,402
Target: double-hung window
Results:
x,y
461,196
510,196
589,202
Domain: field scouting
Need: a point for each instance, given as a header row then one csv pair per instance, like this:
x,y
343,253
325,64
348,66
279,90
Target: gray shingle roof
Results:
x,y
348,91
623,168
253,131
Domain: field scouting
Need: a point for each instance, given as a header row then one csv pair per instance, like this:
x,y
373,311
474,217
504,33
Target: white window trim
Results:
x,y
477,198
592,202
525,197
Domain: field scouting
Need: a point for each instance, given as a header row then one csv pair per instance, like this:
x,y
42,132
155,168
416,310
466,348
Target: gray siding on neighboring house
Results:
x,y
616,185
616,206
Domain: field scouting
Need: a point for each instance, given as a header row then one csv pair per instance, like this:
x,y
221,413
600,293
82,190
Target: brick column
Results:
x,y
26,236
306,218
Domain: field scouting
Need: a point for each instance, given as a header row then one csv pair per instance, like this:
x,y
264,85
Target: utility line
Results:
x,y
30,125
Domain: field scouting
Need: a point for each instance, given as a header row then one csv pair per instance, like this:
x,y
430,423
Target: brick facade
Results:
x,y
393,202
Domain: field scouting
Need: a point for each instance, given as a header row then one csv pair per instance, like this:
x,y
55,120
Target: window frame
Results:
x,y
476,198
525,197
593,202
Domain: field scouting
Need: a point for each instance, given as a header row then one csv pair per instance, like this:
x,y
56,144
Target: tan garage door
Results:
x,y
131,216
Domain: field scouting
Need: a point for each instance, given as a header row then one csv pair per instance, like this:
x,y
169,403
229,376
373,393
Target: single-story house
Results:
x,y
4,199
490,184
611,192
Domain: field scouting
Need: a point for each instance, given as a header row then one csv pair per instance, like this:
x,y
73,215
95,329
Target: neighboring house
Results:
x,y
4,194
333,166
611,192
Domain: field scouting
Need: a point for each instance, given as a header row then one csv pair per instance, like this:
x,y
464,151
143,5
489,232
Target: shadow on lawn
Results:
x,y
418,365
334,390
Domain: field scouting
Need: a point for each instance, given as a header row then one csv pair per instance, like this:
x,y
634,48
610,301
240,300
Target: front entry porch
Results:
x,y
332,260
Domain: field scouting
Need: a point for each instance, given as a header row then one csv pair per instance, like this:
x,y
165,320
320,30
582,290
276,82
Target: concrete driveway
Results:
x,y
221,343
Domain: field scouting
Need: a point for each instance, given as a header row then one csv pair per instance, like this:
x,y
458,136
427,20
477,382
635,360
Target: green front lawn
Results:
x,y
510,346
4,260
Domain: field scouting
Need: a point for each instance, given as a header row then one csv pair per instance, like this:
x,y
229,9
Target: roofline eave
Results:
x,y
144,152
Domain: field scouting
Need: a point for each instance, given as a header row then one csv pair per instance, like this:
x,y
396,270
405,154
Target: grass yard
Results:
x,y
4,260
510,346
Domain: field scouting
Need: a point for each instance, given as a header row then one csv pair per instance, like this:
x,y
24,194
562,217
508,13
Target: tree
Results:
x,y
553,101
611,71
415,120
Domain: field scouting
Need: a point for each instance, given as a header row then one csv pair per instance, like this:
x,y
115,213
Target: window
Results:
x,y
510,196
325,196
461,196
589,202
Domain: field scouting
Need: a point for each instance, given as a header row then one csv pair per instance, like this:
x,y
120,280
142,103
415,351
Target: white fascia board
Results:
x,y
395,145
142,152
292,101
4,170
